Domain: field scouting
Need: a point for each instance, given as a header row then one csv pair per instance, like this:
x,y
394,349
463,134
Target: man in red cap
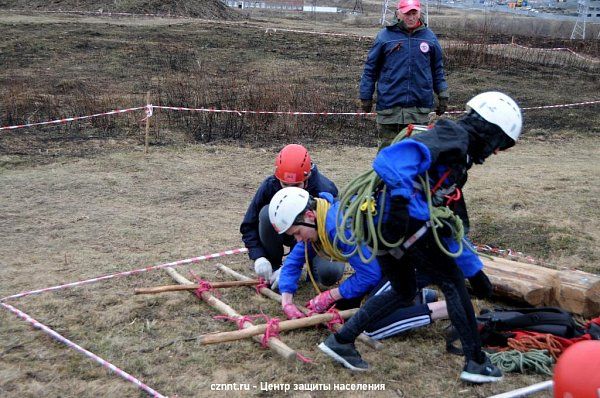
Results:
x,y
405,63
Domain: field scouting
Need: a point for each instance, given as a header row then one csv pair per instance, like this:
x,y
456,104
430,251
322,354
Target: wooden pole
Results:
x,y
146,139
522,392
177,288
274,343
377,345
316,319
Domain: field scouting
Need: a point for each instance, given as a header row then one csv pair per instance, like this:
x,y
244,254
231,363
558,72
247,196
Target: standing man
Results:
x,y
406,64
293,168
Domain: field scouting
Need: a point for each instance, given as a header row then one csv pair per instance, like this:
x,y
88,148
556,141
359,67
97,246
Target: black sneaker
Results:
x,y
474,372
346,354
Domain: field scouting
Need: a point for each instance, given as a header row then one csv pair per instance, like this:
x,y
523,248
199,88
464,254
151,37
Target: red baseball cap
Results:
x,y
406,5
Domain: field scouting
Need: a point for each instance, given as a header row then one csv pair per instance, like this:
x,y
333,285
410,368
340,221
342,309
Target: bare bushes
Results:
x,y
506,56
267,97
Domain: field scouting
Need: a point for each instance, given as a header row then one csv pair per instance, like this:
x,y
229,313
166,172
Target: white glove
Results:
x,y
263,268
275,279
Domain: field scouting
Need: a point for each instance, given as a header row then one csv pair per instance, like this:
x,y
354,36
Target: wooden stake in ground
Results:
x,y
178,288
274,343
146,139
377,345
313,320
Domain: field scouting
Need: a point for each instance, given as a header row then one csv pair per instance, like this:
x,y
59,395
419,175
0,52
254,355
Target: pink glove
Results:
x,y
321,302
292,312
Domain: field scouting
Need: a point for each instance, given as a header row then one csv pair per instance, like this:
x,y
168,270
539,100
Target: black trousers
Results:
x,y
426,257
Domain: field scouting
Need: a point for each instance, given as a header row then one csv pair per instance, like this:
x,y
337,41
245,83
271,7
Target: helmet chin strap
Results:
x,y
305,224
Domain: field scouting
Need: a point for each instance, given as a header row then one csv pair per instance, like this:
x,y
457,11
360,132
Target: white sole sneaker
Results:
x,y
478,379
339,359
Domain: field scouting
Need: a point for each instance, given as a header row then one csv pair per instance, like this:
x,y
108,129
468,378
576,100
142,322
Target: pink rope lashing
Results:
x,y
336,320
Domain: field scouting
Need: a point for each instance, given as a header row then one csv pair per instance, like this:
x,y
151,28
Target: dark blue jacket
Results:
x,y
361,282
317,182
434,151
407,68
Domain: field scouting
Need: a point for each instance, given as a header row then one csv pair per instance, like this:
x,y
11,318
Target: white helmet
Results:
x,y
499,109
285,206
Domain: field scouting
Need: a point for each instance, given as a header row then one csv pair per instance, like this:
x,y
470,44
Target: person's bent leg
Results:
x,y
326,272
399,321
401,294
446,274
270,240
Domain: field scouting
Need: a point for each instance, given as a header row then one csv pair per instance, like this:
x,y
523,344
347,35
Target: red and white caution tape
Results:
x,y
293,113
149,113
82,350
313,32
561,105
71,119
505,253
127,273
590,59
245,112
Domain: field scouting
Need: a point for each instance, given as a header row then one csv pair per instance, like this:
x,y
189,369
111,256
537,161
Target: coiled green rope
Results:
x,y
358,208
515,361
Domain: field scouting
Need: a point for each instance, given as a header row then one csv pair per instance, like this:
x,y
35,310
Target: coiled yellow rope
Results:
x,y
323,246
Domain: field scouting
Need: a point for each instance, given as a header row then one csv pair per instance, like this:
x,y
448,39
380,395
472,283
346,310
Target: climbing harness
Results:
x,y
355,218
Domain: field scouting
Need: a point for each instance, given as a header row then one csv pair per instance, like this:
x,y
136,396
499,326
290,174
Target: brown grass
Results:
x,y
82,200
80,218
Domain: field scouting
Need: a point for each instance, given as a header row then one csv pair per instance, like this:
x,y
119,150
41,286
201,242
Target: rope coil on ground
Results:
x,y
538,361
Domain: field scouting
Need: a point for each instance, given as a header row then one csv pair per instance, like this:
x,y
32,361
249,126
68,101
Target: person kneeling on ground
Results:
x,y
293,168
311,221
493,123
297,205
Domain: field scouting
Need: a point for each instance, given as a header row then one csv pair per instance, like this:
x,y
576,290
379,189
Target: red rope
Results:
x,y
239,320
441,181
336,320
261,283
453,197
540,342
303,358
204,286
271,331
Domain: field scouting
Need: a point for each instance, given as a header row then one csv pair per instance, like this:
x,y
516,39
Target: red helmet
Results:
x,y
292,164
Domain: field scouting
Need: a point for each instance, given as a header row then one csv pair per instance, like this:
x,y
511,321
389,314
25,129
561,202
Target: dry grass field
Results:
x,y
83,200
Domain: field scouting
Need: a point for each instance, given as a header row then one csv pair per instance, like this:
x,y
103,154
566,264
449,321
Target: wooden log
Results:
x,y
274,343
575,291
578,292
520,281
313,320
177,288
377,345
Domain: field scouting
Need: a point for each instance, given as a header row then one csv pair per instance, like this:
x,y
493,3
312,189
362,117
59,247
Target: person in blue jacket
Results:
x,y
293,168
311,221
441,155
405,63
